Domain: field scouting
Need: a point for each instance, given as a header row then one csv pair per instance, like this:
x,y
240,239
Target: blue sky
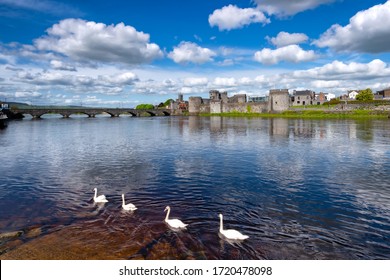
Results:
x,y
122,53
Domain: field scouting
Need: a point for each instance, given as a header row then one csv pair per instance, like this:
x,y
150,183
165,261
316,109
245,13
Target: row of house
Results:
x,y
309,97
379,95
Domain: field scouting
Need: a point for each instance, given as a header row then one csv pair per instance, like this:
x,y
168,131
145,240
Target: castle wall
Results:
x,y
279,100
205,109
194,105
238,98
258,107
216,107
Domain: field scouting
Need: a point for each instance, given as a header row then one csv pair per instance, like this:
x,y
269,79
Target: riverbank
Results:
x,y
311,114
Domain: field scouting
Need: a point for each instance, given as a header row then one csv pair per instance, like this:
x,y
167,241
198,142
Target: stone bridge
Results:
x,y
92,112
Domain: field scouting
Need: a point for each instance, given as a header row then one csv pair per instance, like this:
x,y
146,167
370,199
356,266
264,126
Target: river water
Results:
x,y
301,189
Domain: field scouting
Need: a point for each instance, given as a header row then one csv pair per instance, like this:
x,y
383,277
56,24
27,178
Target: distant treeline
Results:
x,y
151,106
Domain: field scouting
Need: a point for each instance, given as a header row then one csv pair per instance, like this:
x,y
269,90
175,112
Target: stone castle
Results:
x,y
219,102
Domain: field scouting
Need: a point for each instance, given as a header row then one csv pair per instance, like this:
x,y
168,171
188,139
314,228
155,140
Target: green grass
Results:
x,y
311,114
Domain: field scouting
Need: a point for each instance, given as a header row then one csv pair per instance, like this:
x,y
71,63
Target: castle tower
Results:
x,y
279,100
194,104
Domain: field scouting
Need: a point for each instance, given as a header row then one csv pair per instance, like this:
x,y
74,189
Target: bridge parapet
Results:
x,y
92,112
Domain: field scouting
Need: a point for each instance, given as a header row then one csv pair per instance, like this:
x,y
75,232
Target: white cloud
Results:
x,y
338,70
335,77
226,62
289,7
325,84
85,41
245,81
45,6
231,17
5,57
190,52
192,90
195,81
27,94
291,53
225,51
224,82
104,84
45,78
153,87
368,31
198,38
284,39
169,83
127,78
59,65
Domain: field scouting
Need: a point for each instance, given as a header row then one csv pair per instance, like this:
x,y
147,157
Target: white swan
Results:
x,y
230,233
129,206
100,198
175,223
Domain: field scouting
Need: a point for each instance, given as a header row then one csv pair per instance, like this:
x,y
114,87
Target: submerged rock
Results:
x,y
10,235
33,233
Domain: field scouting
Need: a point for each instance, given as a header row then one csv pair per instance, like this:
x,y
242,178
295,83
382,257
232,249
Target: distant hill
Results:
x,y
17,104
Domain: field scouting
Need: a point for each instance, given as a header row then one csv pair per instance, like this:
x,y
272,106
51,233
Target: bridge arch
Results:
x,y
48,115
68,115
104,114
29,115
151,113
131,113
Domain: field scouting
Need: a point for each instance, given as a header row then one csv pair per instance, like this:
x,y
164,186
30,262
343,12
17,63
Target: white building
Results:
x,y
330,96
352,94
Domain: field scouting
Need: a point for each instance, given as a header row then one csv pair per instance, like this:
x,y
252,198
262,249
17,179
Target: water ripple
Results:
x,y
301,189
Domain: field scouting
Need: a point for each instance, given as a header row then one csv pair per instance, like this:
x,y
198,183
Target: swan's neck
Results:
x,y
123,200
221,224
95,193
168,211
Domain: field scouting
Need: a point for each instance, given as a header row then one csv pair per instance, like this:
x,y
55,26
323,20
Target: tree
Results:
x,y
144,107
365,95
168,102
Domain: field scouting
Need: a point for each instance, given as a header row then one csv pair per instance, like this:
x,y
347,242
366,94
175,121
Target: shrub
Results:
x,y
333,101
